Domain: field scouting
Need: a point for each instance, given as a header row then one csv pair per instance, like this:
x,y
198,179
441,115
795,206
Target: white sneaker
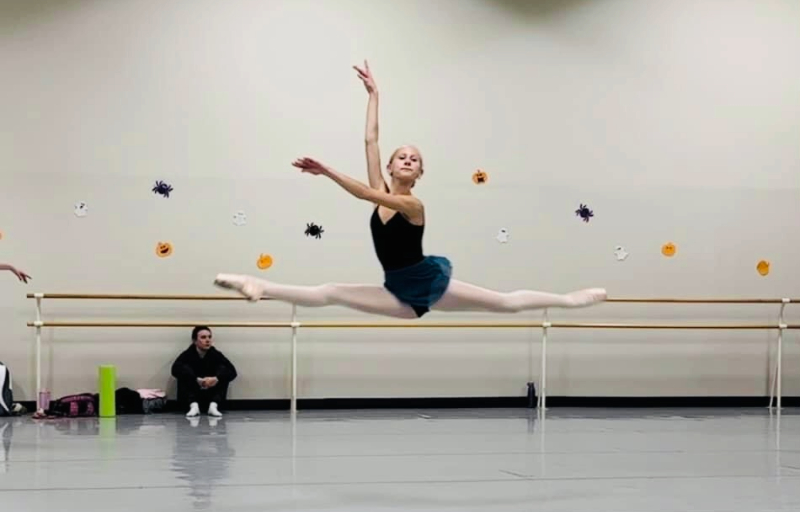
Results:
x,y
194,410
213,411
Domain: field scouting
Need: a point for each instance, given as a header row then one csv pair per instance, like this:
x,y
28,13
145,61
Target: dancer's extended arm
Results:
x,y
374,173
22,276
407,204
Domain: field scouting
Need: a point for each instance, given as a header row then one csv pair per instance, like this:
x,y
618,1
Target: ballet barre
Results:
x,y
294,325
410,325
156,296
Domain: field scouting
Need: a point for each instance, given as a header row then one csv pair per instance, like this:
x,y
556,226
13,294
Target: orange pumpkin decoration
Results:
x,y
668,249
264,261
480,177
163,249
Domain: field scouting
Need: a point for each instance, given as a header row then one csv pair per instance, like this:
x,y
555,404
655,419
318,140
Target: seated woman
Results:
x,y
203,375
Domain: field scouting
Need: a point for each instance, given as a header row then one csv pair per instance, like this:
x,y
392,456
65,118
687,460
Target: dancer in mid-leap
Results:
x,y
414,283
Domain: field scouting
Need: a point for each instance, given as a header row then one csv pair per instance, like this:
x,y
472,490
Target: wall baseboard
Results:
x,y
492,402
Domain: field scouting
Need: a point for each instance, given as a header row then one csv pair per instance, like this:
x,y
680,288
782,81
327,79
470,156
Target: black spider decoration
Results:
x,y
162,188
314,230
584,212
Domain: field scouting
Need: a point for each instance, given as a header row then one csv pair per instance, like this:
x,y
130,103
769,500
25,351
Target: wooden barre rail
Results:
x,y
129,296
419,325
123,296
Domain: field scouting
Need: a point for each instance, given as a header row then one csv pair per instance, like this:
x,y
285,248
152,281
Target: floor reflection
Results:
x,y
202,456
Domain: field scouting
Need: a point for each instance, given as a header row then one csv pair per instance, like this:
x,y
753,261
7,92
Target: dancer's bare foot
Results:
x,y
587,297
246,285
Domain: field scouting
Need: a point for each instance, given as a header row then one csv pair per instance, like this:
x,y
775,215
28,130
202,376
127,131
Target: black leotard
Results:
x,y
398,243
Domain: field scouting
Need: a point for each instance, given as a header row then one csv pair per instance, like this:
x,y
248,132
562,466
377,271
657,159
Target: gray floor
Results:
x,y
571,460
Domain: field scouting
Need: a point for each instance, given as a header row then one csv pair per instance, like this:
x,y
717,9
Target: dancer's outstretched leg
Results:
x,y
461,296
362,297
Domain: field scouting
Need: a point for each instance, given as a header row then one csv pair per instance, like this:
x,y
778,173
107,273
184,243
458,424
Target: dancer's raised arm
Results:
x,y
376,180
404,203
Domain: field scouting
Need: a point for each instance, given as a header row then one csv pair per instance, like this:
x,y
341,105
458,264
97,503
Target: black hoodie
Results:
x,y
189,365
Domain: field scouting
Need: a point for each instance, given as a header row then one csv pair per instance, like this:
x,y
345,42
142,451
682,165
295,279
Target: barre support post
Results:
x,y
781,328
543,376
38,324
777,377
295,325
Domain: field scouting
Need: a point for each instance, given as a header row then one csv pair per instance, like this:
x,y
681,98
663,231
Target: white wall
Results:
x,y
674,120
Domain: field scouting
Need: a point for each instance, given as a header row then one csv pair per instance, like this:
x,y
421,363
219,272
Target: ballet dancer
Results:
x,y
414,283
22,276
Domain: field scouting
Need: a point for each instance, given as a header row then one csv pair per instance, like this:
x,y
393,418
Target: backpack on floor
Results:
x,y
75,406
6,391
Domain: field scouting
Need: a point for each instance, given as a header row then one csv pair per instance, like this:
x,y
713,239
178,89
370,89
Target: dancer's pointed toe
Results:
x,y
598,294
588,297
224,281
245,285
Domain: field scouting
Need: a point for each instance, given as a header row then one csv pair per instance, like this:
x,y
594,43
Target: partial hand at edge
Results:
x,y
22,276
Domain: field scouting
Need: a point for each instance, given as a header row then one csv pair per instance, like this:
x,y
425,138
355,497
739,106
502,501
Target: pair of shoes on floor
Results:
x,y
194,410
